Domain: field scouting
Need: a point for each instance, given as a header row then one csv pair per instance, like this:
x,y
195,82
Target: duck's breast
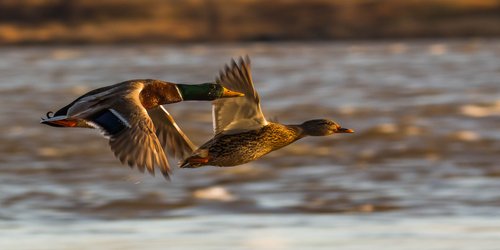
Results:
x,y
236,149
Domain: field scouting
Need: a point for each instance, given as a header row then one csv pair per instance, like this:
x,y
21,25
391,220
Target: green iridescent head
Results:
x,y
205,92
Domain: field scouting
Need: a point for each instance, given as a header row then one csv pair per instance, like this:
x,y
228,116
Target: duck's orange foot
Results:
x,y
194,162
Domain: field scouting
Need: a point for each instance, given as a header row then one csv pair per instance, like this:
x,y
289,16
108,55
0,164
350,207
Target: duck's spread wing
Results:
x,y
233,115
170,135
132,136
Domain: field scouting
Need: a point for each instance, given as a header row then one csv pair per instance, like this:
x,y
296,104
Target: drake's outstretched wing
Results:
x,y
235,115
170,135
134,142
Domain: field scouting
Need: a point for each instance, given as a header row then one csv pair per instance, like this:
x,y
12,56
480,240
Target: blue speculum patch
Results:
x,y
109,122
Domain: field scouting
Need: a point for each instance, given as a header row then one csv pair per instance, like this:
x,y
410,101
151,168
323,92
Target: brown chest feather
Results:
x,y
231,150
157,93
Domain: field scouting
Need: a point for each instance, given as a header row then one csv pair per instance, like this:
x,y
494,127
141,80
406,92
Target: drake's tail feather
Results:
x,y
59,121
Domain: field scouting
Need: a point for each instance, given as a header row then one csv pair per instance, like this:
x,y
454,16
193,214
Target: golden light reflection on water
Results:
x,y
426,144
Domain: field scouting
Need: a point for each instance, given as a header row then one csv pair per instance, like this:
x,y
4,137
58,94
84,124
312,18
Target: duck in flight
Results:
x,y
131,115
242,133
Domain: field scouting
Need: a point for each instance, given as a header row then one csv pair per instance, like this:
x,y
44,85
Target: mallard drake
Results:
x,y
242,133
131,116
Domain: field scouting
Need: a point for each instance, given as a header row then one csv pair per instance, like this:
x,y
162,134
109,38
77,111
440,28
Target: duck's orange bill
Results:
x,y
345,130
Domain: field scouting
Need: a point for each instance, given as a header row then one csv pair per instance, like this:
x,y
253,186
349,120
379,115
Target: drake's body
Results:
x,y
131,115
149,93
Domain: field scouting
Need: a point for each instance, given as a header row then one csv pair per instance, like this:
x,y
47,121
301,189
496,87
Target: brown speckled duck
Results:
x,y
131,116
242,133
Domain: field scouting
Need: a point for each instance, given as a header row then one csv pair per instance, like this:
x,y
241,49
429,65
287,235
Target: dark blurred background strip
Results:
x,y
156,21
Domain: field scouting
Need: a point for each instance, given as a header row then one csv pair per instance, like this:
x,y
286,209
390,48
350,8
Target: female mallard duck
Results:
x,y
131,115
242,133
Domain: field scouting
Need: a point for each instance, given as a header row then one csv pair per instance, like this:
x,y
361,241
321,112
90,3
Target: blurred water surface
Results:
x,y
421,172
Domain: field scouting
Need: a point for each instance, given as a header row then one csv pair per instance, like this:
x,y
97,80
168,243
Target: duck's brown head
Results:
x,y
322,127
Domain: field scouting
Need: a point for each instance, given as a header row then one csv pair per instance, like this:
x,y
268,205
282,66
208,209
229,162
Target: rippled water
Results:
x,y
421,172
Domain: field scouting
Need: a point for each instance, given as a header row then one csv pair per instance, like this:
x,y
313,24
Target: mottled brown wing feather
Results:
x,y
171,137
138,145
235,115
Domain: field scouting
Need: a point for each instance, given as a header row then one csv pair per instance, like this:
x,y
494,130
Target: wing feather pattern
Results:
x,y
138,144
235,115
171,137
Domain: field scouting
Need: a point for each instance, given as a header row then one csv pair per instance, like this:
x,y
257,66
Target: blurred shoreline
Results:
x,y
59,22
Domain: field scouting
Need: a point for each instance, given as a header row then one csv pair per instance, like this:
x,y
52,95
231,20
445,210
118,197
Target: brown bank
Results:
x,y
151,21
